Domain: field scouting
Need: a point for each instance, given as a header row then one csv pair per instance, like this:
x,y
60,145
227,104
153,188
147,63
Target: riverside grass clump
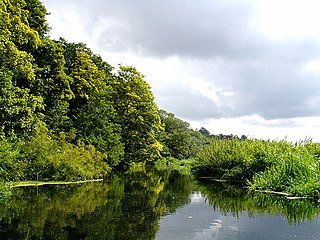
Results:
x,y
278,166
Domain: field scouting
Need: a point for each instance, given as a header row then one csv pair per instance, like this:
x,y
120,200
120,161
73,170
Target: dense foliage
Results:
x,y
64,112
293,168
179,140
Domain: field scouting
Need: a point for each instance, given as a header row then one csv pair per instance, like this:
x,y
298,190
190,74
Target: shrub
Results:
x,y
11,168
43,157
53,159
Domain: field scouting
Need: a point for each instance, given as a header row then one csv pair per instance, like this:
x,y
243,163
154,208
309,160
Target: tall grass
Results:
x,y
266,165
296,172
233,159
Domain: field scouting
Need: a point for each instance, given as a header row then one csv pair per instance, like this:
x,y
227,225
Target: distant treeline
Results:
x,y
67,114
220,136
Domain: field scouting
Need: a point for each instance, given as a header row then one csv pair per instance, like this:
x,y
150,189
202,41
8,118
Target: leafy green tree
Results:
x,y
204,131
85,75
179,140
137,115
18,107
64,88
37,17
52,83
15,33
19,110
91,107
172,123
96,125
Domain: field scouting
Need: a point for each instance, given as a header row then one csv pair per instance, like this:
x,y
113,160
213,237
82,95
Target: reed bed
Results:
x,y
278,166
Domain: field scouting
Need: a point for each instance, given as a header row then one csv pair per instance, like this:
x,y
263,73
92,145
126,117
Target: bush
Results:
x,y
57,159
11,168
43,157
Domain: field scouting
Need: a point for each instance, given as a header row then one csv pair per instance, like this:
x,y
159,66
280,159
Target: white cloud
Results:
x,y
287,19
313,66
241,67
256,127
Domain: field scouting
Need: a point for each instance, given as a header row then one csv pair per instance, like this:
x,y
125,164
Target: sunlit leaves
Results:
x,y
138,115
63,87
19,110
15,35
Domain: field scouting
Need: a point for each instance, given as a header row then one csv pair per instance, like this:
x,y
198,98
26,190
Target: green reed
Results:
x,y
265,165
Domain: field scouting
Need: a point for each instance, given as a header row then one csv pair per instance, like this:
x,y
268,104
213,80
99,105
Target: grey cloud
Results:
x,y
279,92
265,76
163,28
272,84
188,104
274,91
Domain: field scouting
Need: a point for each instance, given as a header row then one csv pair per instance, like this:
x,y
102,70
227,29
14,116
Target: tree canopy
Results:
x,y
67,113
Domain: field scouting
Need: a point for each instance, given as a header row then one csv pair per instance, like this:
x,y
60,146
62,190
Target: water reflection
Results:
x,y
141,204
208,224
224,212
128,206
237,200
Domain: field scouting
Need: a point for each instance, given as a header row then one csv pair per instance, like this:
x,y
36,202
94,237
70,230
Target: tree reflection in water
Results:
x,y
236,200
128,206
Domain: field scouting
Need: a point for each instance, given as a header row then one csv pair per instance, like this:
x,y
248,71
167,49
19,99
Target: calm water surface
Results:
x,y
158,205
198,220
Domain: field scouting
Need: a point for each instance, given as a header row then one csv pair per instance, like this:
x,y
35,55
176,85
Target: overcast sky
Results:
x,y
247,67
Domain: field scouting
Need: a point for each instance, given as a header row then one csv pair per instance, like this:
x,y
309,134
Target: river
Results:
x,y
148,204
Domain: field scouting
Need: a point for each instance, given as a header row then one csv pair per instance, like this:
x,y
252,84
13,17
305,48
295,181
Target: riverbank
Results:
x,y
270,166
6,187
114,208
41,183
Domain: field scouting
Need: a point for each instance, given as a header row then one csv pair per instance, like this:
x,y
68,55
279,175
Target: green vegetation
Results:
x,y
234,159
179,140
282,166
237,200
44,158
295,171
109,209
66,114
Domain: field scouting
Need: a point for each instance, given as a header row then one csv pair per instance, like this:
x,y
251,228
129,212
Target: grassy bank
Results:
x,y
278,166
